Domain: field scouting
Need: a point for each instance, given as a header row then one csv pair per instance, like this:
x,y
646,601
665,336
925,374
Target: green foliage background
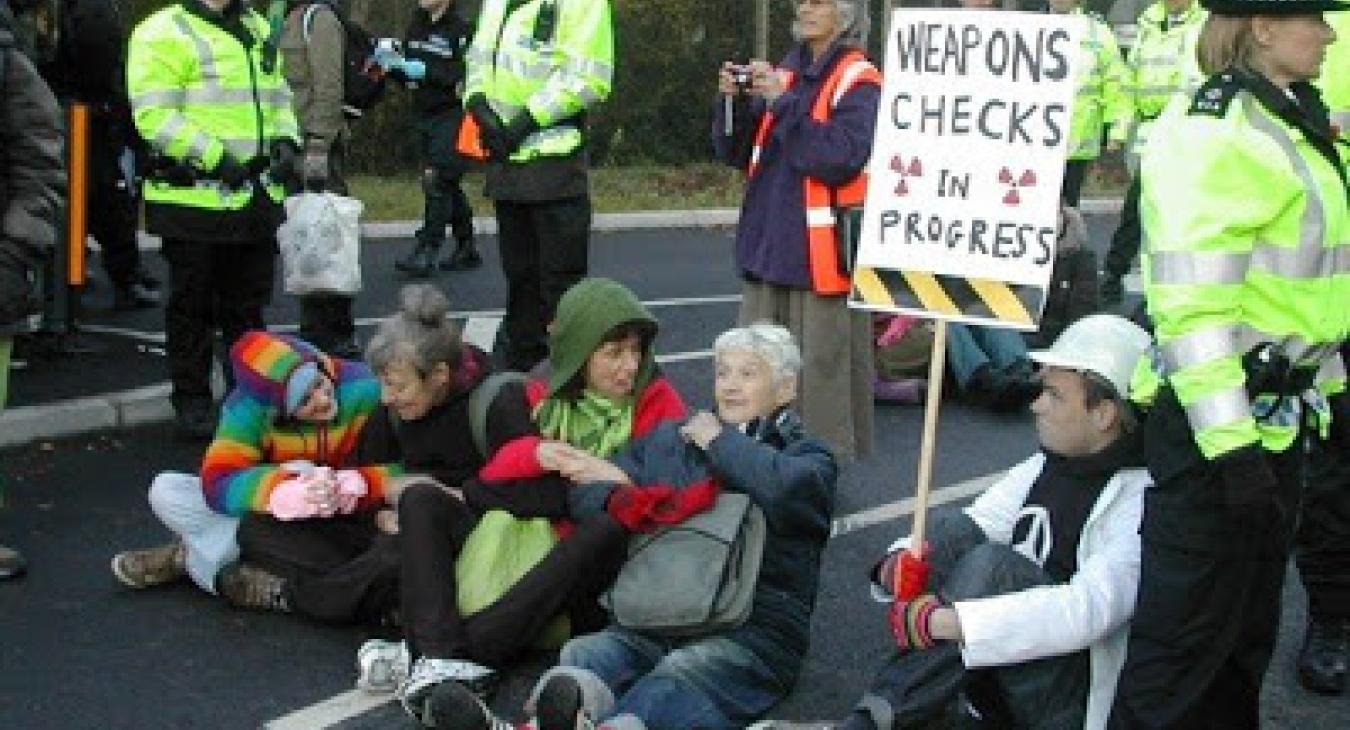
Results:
x,y
667,56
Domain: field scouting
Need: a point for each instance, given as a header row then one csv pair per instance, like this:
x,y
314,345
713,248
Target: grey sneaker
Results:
x,y
381,666
251,587
151,566
429,672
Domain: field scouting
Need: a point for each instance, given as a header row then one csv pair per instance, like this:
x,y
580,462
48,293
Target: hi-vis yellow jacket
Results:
x,y
552,59
1246,243
198,91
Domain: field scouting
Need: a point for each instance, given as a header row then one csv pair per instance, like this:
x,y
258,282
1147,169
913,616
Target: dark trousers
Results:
x,y
112,203
544,251
1209,588
445,203
212,286
1074,173
337,570
918,688
1126,240
433,526
326,320
1322,545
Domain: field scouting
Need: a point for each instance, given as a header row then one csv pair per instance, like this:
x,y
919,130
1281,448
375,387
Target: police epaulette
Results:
x,y
1215,95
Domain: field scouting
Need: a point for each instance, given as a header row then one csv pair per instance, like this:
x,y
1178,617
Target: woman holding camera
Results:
x,y
803,133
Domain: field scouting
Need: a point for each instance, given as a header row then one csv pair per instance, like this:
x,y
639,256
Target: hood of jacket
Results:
x,y
586,313
264,361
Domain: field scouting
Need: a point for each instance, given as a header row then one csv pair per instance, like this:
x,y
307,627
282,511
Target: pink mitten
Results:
x,y
349,488
290,500
895,329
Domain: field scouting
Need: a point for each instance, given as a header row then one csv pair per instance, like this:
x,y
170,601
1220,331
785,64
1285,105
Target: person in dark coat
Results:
x,y
32,193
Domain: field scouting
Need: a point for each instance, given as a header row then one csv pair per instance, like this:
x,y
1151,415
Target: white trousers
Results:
x,y
210,537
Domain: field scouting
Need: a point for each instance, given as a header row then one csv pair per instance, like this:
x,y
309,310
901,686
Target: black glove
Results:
x,y
231,172
1250,488
18,290
516,132
490,128
284,154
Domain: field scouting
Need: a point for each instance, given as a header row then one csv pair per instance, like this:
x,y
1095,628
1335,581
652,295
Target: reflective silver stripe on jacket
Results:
x,y
207,59
1215,410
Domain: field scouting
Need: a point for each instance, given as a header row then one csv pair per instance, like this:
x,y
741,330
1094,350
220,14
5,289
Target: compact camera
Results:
x,y
743,79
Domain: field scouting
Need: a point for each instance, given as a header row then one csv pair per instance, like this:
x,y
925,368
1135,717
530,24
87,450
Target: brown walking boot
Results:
x,y
251,587
151,566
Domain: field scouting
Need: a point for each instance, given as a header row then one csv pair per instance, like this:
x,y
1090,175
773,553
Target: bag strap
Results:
x,y
480,400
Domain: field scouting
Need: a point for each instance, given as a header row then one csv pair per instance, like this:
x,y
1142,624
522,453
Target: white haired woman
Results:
x,y
803,132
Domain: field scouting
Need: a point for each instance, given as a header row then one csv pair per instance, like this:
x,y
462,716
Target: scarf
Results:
x,y
593,423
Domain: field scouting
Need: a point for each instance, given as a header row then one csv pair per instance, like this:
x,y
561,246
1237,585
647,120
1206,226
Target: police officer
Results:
x,y
433,67
1323,541
221,127
1161,67
1102,103
535,69
1244,207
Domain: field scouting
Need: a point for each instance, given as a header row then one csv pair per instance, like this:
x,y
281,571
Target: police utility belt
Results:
x,y
1284,393
180,174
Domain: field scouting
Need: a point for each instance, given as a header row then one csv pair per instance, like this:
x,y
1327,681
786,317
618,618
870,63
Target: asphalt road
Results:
x,y
79,651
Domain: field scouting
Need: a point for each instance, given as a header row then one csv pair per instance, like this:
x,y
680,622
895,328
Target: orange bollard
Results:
x,y
78,211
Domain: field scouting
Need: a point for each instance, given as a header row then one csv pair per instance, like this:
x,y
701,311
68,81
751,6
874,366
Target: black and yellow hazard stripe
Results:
x,y
948,296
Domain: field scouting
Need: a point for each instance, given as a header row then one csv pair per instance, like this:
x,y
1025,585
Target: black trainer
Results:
x,y
453,706
1322,662
464,257
420,262
559,704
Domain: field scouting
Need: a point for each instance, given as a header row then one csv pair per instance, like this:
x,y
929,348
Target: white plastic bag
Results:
x,y
321,244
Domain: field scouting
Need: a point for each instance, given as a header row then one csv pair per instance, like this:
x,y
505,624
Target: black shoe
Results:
x,y
452,706
134,296
1322,662
559,703
421,261
196,424
12,564
1112,290
465,256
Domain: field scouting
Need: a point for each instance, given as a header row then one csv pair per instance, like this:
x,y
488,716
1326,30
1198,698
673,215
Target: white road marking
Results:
x,y
684,356
331,711
481,332
349,704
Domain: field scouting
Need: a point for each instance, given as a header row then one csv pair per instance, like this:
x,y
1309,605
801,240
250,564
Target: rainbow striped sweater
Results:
x,y
242,464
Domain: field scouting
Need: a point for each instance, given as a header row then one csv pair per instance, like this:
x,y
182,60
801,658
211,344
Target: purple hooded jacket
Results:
x,y
771,243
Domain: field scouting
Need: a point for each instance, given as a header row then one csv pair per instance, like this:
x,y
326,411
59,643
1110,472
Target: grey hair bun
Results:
x,y
424,304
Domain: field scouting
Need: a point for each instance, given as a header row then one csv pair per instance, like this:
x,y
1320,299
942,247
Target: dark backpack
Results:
x,y
363,82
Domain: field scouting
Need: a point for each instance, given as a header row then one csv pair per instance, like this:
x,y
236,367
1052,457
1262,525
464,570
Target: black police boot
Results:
x,y
194,422
465,256
1322,662
421,261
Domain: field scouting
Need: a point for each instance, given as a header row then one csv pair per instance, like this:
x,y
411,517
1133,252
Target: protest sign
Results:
x,y
972,131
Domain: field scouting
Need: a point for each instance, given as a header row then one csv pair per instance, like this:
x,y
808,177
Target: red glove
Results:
x,y
910,622
633,506
905,574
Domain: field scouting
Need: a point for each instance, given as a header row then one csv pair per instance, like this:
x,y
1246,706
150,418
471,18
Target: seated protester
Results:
x,y
1073,280
604,389
1035,580
754,445
991,367
284,454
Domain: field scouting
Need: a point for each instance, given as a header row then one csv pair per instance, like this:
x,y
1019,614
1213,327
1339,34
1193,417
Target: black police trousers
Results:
x,y
212,287
545,249
1322,545
1208,607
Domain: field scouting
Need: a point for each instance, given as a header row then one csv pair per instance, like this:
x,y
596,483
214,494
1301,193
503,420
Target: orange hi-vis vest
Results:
x,y
827,270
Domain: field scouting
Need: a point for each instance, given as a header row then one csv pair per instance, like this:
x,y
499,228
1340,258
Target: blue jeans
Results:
x,y
702,684
969,347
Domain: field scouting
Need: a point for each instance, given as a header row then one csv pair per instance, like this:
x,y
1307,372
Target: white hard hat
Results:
x,y
1105,344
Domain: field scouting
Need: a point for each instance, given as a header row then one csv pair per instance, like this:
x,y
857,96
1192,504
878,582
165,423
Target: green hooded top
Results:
x,y
586,313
